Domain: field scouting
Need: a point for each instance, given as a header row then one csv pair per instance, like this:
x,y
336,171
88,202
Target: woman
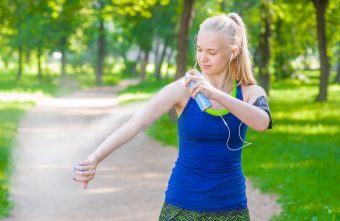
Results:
x,y
207,182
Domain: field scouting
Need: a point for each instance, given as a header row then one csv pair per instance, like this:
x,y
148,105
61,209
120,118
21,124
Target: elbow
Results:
x,y
261,127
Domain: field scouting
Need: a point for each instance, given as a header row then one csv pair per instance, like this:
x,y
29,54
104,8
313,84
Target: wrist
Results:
x,y
218,95
93,158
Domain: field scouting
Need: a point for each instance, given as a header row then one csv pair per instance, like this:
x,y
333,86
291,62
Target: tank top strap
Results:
x,y
239,94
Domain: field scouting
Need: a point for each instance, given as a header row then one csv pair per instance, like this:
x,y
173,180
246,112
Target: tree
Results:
x,y
165,20
65,18
264,48
320,6
185,23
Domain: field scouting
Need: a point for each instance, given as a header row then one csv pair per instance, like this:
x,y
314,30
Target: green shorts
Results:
x,y
172,213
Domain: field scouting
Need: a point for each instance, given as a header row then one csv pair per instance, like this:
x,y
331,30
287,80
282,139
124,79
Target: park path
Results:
x,y
129,185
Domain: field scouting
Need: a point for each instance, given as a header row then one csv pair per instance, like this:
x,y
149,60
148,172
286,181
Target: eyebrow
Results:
x,y
208,48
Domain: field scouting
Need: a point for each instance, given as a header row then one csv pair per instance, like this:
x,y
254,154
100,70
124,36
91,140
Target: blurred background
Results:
x,y
51,48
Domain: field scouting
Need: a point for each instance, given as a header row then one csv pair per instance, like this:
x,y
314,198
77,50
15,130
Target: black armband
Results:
x,y
262,103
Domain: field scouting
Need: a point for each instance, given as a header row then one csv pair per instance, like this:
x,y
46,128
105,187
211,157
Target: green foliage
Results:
x,y
72,27
10,114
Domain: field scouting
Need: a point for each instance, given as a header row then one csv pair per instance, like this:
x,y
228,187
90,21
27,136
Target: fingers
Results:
x,y
195,78
83,179
84,172
195,91
83,167
192,72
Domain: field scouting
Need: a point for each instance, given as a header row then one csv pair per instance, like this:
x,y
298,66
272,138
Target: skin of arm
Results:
x,y
161,103
168,97
254,117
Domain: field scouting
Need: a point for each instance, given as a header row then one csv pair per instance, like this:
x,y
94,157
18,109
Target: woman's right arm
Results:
x,y
168,97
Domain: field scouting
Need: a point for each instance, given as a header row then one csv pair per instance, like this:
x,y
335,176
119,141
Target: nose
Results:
x,y
202,57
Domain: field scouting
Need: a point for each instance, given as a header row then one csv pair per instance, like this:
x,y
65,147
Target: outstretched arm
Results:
x,y
162,102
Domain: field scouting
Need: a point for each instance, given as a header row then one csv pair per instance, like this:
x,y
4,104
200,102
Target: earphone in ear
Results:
x,y
232,56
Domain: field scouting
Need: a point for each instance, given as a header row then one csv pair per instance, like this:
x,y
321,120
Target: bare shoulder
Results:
x,y
176,91
252,92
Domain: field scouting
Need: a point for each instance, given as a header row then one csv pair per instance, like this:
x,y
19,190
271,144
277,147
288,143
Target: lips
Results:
x,y
206,66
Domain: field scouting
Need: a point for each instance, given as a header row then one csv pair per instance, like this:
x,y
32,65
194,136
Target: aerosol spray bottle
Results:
x,y
201,100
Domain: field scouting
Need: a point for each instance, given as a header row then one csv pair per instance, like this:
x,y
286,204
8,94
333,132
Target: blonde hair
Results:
x,y
235,32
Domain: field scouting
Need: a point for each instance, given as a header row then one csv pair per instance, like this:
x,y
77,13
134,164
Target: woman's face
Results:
x,y
212,52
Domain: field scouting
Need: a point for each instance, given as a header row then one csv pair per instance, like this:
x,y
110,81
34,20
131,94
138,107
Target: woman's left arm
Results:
x,y
252,111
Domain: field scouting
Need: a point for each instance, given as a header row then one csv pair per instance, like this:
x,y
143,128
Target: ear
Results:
x,y
235,51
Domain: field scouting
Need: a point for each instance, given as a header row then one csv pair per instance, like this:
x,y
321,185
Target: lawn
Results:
x,y
10,115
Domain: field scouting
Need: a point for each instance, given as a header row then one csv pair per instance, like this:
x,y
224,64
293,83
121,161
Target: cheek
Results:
x,y
220,62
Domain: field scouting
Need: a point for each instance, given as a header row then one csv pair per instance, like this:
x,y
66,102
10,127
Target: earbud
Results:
x,y
231,56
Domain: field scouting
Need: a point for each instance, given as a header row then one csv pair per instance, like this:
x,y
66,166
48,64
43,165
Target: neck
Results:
x,y
220,82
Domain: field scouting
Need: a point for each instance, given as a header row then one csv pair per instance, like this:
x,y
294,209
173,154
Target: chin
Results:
x,y
206,70
209,72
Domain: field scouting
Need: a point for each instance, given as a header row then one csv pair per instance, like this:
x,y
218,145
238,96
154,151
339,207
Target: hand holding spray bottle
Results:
x,y
204,103
201,100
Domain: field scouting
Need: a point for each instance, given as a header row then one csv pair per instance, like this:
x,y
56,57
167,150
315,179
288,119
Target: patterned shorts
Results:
x,y
172,213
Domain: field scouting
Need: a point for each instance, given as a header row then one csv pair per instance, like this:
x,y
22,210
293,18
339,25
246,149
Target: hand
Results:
x,y
200,85
85,171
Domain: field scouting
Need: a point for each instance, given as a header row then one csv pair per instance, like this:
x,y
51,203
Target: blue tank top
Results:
x,y
207,176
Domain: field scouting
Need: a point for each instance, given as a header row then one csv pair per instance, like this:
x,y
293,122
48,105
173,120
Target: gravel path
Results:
x,y
129,185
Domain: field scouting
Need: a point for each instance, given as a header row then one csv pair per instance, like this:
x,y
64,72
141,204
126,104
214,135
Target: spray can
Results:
x,y
201,100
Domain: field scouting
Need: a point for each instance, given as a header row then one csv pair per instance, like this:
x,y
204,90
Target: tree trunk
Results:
x,y
28,57
185,24
63,64
337,78
20,64
160,62
156,58
320,6
173,115
222,6
39,64
169,63
138,61
143,66
63,59
101,53
264,52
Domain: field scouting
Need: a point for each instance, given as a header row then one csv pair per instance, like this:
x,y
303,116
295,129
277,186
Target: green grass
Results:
x,y
299,158
141,92
52,85
10,114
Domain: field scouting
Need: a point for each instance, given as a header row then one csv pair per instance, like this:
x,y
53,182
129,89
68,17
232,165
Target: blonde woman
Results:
x,y
207,182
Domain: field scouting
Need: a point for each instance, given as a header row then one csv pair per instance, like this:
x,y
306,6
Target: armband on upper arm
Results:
x,y
262,103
